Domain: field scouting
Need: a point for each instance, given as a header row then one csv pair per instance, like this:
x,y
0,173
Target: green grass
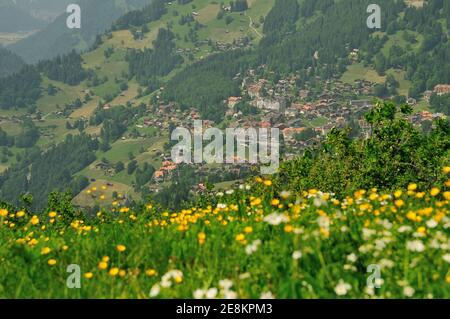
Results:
x,y
91,195
257,243
66,94
399,75
397,39
319,121
119,152
358,71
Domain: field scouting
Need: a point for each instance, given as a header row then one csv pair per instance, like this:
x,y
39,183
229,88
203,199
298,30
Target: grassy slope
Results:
x,y
312,246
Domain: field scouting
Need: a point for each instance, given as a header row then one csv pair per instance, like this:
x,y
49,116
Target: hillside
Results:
x,y
9,62
166,64
43,10
15,19
57,39
256,243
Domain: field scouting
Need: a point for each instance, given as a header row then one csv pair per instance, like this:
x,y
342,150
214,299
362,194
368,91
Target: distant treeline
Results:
x,y
39,173
23,88
159,61
9,62
137,18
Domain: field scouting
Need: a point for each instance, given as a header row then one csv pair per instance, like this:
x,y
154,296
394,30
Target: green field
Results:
x,y
358,71
258,243
100,193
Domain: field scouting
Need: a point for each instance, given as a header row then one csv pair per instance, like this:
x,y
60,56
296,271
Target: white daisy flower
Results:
x,y
199,294
342,288
297,254
415,245
267,295
229,294
352,257
408,291
431,223
211,293
155,290
225,284
276,219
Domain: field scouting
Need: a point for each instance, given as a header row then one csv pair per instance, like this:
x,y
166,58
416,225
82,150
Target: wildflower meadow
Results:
x,y
255,241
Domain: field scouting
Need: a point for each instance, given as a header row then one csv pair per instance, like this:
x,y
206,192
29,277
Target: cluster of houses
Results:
x,y
292,109
283,105
165,171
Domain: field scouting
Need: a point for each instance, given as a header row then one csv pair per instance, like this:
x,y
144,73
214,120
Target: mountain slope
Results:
x,y
162,65
96,17
14,19
9,62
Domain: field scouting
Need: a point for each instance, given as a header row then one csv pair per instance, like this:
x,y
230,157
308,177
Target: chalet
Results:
x,y
277,104
442,89
411,101
233,100
158,176
264,124
254,90
290,132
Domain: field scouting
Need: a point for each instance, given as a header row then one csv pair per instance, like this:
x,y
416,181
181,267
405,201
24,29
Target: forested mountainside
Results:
x,y
56,38
164,63
43,10
14,18
9,62
315,39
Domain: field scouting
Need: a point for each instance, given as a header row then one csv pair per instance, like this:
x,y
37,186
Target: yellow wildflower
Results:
x,y
20,214
268,182
178,279
102,265
399,203
121,248
88,275
421,230
275,202
51,262
288,228
114,271
150,272
435,191
34,220
398,193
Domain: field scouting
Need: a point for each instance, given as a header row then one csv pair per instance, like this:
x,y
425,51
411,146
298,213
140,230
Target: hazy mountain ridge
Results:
x,y
9,62
15,19
96,17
